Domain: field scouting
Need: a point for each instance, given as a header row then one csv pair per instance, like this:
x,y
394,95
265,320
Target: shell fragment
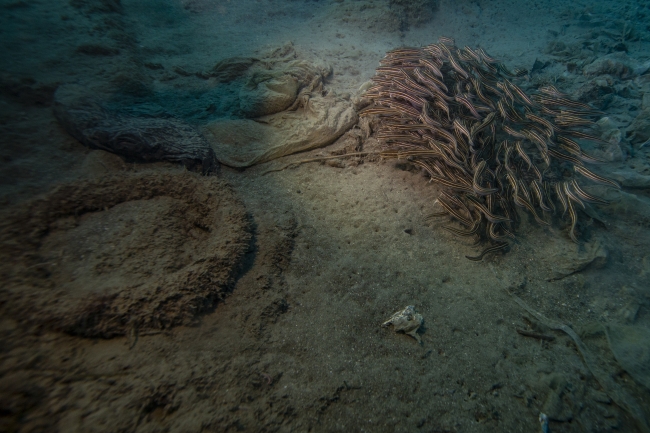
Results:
x,y
407,321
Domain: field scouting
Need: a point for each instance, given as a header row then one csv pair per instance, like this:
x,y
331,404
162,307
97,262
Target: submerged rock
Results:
x,y
639,130
617,64
631,347
631,179
567,258
143,133
613,135
596,90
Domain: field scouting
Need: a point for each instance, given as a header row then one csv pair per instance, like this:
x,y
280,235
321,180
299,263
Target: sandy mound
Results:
x,y
121,254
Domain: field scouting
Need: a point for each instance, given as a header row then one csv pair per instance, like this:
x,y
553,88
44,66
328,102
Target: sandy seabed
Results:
x,y
144,297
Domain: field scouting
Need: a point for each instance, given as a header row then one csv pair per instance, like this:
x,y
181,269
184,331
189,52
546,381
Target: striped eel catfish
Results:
x,y
495,150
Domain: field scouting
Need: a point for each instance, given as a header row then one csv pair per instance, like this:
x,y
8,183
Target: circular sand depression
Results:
x,y
101,258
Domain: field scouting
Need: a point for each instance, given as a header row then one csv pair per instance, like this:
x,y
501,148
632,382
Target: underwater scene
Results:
x,y
324,216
